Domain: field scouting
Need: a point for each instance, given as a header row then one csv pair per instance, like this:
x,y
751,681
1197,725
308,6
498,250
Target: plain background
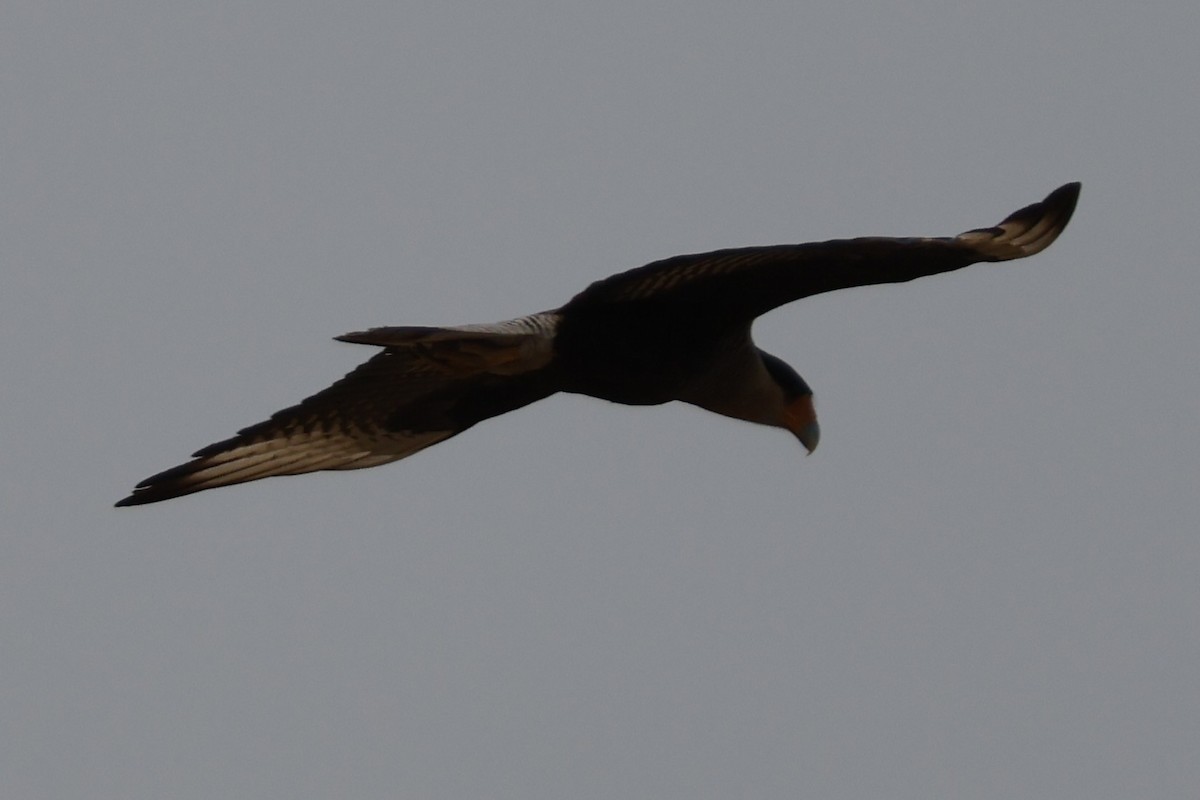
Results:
x,y
983,585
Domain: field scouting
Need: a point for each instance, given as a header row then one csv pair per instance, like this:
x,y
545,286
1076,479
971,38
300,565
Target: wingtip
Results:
x,y
1064,199
177,481
1043,222
1027,231
140,496
148,492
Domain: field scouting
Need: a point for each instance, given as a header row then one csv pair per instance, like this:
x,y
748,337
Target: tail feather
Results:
x,y
502,348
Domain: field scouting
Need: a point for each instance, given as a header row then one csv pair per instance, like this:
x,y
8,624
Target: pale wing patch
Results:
x,y
1027,231
290,455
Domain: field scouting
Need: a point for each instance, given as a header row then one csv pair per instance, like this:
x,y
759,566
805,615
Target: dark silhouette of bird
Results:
x,y
677,329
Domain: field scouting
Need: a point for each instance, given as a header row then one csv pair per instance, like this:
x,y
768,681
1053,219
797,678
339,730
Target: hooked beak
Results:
x,y
801,419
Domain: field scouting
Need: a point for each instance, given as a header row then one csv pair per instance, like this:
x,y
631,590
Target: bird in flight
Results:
x,y
677,329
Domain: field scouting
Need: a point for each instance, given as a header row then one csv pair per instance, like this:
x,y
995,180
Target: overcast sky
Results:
x,y
983,585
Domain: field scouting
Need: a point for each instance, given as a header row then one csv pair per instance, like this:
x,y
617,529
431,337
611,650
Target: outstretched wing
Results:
x,y
427,385
750,281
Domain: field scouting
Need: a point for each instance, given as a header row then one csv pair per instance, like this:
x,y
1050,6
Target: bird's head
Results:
x,y
796,412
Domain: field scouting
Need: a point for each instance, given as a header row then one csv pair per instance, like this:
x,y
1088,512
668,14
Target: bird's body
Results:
x,y
677,329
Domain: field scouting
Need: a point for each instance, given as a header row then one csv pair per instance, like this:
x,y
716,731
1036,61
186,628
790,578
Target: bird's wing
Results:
x,y
749,281
427,385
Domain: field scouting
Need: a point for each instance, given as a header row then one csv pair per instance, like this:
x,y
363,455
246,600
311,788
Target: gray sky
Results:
x,y
983,585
